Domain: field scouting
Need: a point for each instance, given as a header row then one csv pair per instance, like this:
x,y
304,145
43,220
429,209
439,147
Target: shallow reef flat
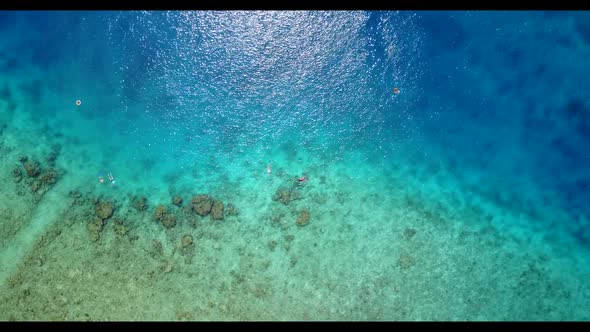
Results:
x,y
326,251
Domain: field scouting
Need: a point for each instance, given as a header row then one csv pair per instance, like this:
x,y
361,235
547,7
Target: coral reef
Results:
x,y
32,168
202,204
167,219
38,181
217,210
303,218
104,210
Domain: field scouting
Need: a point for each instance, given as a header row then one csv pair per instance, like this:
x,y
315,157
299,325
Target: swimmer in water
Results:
x,y
302,179
111,178
100,179
268,168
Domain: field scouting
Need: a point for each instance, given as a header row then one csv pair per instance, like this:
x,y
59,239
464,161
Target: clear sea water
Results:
x,y
463,196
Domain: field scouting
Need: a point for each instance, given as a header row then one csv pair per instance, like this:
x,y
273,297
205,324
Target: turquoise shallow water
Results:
x,y
462,197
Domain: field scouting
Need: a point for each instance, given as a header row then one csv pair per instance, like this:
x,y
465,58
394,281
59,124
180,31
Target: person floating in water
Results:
x,y
100,179
302,179
268,168
111,178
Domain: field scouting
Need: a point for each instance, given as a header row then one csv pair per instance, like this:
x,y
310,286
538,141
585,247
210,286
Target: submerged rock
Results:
x,y
48,177
17,175
167,268
303,218
94,229
32,168
120,228
283,196
231,210
187,240
23,158
139,203
202,204
156,249
169,220
52,156
187,210
320,199
160,212
76,197
409,233
288,240
177,200
35,186
104,210
217,210
405,262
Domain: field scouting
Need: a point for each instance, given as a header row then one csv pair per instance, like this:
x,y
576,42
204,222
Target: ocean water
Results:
x,y
464,196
